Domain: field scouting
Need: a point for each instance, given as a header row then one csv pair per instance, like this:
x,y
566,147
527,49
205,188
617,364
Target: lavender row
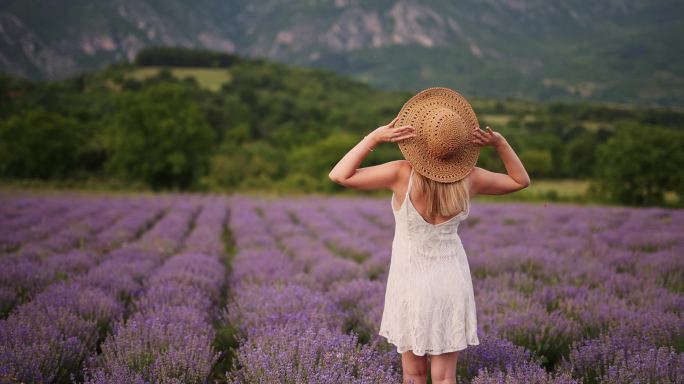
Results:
x,y
18,213
25,273
290,330
332,225
66,322
168,337
40,219
80,223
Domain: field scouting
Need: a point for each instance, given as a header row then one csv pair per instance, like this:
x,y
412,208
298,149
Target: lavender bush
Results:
x,y
291,354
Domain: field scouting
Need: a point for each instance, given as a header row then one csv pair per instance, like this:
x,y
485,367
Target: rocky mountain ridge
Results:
x,y
614,50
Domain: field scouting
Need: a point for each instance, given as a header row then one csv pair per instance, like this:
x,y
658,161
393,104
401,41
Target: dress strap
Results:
x,y
410,182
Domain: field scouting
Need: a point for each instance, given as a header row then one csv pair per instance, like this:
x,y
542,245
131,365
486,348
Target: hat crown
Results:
x,y
446,132
442,149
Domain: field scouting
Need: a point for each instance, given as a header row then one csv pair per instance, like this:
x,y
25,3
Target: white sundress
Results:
x,y
429,300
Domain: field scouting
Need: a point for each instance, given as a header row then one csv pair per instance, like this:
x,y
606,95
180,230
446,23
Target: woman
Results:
x,y
429,303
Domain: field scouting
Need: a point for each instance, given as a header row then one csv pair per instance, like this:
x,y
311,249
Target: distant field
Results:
x,y
496,120
208,78
542,190
564,190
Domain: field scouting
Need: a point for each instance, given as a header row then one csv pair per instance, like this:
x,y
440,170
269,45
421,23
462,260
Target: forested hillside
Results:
x,y
246,124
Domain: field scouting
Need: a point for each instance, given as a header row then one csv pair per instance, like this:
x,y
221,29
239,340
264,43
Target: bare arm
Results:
x,y
347,172
493,183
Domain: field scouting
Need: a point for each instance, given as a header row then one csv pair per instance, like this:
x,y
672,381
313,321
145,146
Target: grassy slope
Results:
x,y
208,78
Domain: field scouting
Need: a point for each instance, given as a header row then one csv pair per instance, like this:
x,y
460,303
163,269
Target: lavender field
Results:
x,y
207,288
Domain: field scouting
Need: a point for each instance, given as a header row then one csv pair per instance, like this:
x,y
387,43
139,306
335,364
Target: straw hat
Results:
x,y
443,120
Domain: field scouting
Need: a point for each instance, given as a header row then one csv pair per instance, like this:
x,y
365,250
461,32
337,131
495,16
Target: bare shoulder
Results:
x,y
400,167
403,169
475,179
476,173
404,166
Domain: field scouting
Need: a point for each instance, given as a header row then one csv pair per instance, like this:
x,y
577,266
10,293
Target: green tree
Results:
x,y
159,136
318,159
537,162
579,157
639,163
40,144
234,165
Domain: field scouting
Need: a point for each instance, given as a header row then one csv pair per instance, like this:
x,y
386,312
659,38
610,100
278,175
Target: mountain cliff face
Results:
x,y
612,50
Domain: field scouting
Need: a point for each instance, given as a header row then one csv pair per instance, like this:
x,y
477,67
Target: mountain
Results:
x,y
621,51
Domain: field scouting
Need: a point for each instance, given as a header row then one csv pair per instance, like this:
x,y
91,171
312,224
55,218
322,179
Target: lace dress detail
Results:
x,y
429,300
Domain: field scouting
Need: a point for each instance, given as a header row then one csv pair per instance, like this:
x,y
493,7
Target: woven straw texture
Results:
x,y
442,149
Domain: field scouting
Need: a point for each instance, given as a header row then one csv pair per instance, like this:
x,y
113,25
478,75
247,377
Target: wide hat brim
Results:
x,y
424,111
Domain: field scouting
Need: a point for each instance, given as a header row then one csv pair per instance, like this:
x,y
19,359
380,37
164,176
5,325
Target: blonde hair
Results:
x,y
443,199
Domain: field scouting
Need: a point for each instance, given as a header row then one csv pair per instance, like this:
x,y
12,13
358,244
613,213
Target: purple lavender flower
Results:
x,y
661,365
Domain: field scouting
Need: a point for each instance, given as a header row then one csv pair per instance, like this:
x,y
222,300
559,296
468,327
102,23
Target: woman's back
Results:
x,y
418,201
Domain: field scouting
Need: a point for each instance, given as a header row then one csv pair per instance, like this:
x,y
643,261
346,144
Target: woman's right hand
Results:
x,y
392,133
487,137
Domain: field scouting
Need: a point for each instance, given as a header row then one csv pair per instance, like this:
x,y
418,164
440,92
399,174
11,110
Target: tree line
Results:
x,y
274,126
